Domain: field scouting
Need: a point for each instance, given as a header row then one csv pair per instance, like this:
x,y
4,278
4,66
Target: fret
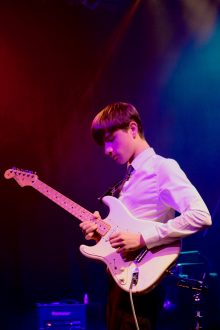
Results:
x,y
73,208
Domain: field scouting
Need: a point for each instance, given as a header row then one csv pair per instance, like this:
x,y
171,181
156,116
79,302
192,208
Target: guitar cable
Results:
x,y
134,281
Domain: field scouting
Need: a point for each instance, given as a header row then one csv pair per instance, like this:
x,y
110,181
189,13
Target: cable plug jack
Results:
x,y
135,276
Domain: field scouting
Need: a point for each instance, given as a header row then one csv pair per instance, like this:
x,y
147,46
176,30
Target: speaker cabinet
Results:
x,y
59,316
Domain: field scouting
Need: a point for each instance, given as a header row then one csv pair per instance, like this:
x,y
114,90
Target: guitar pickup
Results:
x,y
141,255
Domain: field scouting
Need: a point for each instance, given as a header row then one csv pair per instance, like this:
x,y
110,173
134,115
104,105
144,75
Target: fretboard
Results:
x,y
73,208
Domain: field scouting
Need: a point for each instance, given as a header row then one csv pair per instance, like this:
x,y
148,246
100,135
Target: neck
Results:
x,y
140,146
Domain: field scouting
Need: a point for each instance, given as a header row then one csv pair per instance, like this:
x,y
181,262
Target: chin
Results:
x,y
121,161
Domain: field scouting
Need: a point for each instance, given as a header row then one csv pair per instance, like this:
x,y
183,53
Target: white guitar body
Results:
x,y
153,265
148,266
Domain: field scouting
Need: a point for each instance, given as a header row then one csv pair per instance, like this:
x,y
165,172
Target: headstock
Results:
x,y
23,177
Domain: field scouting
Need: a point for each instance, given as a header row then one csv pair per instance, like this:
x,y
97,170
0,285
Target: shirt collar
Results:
x,y
142,157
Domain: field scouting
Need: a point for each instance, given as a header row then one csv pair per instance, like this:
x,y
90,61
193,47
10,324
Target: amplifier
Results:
x,y
61,316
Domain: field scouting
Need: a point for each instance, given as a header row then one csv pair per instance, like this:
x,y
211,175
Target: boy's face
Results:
x,y
119,145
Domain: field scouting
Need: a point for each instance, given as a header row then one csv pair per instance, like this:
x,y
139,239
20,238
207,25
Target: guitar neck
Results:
x,y
73,208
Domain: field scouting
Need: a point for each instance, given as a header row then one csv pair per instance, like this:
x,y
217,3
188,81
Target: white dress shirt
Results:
x,y
156,189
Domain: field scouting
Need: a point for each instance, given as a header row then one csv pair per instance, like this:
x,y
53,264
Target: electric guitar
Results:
x,y
147,267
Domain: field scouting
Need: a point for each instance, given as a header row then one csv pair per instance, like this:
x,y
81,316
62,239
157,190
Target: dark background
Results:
x,y
60,63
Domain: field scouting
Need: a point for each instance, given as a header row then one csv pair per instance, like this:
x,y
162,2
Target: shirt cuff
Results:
x,y
151,236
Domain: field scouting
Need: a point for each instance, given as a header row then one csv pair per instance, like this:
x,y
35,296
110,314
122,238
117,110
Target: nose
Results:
x,y
108,149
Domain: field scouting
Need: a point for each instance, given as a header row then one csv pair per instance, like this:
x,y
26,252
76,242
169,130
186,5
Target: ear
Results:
x,y
134,128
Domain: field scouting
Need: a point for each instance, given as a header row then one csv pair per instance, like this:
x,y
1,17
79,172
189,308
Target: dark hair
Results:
x,y
113,117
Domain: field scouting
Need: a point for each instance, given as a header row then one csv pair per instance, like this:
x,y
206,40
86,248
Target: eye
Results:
x,y
110,138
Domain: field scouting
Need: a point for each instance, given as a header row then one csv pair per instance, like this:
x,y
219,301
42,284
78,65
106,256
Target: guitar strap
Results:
x,y
117,187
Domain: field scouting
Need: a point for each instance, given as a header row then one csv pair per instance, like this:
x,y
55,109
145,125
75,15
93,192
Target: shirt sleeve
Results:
x,y
177,192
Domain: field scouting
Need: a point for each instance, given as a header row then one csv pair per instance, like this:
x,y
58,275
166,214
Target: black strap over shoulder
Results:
x,y
117,187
